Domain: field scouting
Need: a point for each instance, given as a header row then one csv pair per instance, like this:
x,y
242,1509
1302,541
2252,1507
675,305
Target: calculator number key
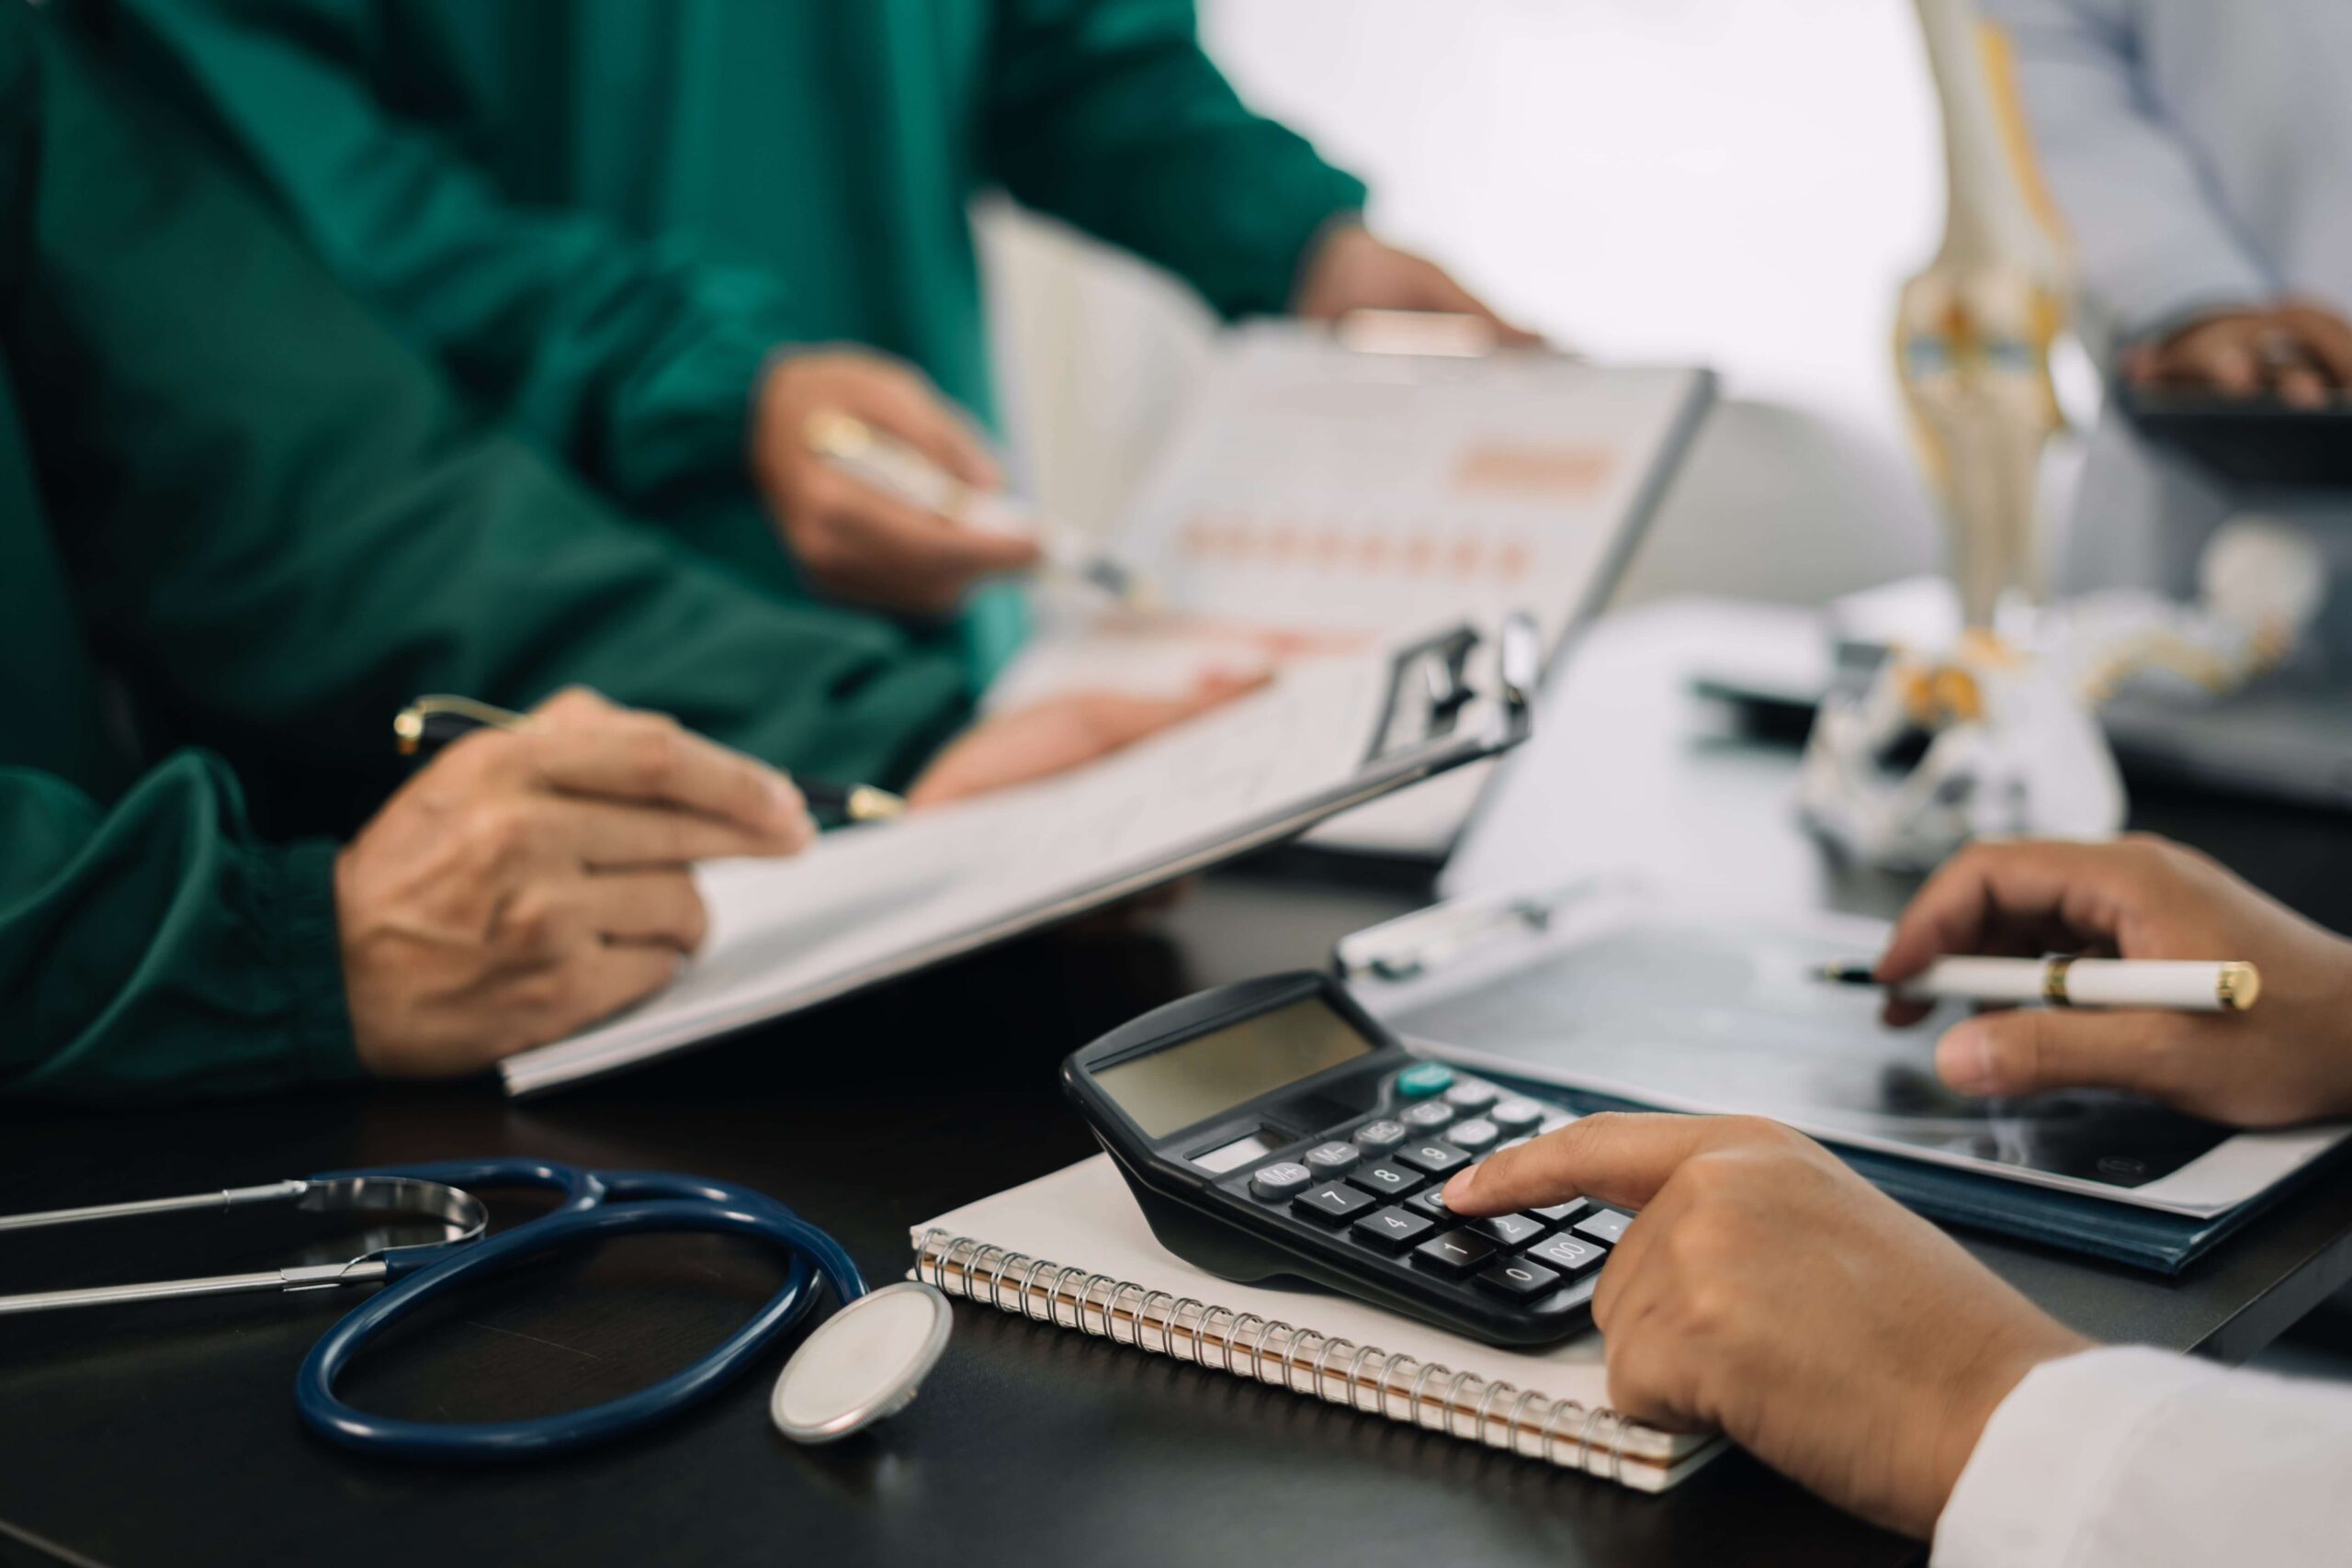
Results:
x,y
1285,1180
1391,1181
1332,1202
1334,1159
1508,1230
1391,1229
1475,1134
1455,1253
1568,1254
1518,1278
1434,1157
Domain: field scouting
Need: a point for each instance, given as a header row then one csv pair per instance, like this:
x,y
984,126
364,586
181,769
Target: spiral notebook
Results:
x,y
1072,1250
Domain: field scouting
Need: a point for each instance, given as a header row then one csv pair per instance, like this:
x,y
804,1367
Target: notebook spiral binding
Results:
x,y
1501,1416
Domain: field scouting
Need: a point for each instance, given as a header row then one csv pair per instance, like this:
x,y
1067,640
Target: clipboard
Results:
x,y
1324,485
1622,997
871,903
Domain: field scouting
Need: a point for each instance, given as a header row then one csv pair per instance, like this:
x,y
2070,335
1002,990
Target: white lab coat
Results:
x,y
2200,154
2136,1457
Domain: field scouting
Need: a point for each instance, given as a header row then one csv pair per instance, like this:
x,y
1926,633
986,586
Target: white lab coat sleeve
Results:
x,y
2152,241
2139,1457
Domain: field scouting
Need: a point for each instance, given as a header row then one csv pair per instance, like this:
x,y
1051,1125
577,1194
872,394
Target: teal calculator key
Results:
x,y
1428,1078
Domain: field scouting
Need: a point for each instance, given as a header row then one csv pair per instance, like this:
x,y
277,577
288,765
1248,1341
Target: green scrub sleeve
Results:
x,y
156,949
282,525
632,361
1108,113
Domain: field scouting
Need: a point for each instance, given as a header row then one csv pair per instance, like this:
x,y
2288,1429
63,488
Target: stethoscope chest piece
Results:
x,y
862,1364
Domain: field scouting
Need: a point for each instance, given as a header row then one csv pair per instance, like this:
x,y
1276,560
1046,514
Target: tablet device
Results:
x,y
2251,441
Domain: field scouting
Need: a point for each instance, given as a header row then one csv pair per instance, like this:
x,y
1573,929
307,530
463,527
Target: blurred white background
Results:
x,y
1739,183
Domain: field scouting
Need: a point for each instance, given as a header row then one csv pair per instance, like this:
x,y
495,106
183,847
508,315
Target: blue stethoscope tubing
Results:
x,y
596,1205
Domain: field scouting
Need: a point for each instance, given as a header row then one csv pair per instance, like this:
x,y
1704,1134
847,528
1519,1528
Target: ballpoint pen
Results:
x,y
2202,986
437,720
889,464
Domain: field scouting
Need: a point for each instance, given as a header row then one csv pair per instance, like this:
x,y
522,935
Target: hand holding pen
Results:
x,y
2139,898
433,722
854,538
523,885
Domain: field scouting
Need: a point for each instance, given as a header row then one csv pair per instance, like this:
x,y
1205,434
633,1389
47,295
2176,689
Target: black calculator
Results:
x,y
1273,1127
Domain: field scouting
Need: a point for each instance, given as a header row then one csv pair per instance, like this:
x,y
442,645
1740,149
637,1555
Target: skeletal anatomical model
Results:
x,y
1996,732
1973,331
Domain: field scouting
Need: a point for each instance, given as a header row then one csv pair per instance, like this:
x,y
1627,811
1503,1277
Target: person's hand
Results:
x,y
1058,734
2297,352
1352,270
2287,1059
525,884
1767,1291
851,539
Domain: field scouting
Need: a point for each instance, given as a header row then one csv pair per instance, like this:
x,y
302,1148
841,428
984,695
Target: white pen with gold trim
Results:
x,y
2228,985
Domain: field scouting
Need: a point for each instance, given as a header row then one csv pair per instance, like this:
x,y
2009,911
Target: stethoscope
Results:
x,y
862,1364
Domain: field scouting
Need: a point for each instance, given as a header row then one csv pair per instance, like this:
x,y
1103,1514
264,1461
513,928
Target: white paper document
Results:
x,y
1316,497
869,902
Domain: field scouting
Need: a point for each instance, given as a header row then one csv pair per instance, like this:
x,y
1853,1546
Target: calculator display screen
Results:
x,y
1213,1072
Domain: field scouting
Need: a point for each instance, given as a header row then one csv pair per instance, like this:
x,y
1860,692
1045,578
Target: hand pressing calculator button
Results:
x,y
1282,1181
1432,1203
1333,1158
1274,1128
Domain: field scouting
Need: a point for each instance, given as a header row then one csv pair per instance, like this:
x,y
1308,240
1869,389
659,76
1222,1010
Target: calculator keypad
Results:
x,y
1375,1189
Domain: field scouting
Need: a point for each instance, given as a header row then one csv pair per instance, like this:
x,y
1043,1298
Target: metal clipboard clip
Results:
x,y
1433,683
1413,945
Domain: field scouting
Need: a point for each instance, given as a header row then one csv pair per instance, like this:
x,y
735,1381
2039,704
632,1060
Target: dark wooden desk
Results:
x,y
166,1434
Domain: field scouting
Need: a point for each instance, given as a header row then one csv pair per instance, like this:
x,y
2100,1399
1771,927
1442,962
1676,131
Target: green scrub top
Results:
x,y
603,215
240,525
